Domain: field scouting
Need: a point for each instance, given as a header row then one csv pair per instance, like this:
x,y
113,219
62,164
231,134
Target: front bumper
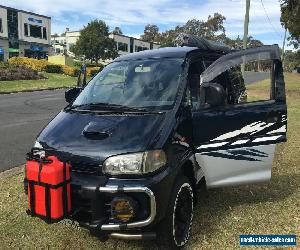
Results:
x,y
92,195
136,224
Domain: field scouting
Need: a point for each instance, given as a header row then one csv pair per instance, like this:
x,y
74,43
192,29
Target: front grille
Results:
x,y
85,168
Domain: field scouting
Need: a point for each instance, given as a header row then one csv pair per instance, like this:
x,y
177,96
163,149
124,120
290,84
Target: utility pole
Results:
x,y
245,38
283,45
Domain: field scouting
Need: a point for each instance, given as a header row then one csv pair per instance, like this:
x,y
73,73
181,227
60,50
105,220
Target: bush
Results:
x,y
43,65
92,71
4,65
19,73
88,64
70,71
54,68
31,63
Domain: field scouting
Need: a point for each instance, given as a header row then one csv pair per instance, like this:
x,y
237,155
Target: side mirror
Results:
x,y
71,94
213,94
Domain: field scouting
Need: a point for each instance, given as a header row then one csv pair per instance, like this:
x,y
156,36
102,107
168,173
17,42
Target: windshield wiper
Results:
x,y
107,106
115,107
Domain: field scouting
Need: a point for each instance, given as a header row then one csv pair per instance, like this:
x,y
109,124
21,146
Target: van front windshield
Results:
x,y
150,84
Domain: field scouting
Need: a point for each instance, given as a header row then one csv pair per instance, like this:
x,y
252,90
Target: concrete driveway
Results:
x,y
23,115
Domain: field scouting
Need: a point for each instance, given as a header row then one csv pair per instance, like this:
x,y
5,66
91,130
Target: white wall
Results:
x,y
121,39
59,39
156,46
25,18
3,16
141,44
71,38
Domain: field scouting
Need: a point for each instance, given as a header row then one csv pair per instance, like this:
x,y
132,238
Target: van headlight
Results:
x,y
136,163
37,144
38,149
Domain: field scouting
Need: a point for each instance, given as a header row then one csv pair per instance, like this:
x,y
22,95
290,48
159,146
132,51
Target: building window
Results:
x,y
1,28
140,48
57,50
12,31
26,29
35,31
44,33
123,46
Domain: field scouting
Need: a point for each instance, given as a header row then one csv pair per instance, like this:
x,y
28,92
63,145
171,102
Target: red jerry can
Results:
x,y
49,191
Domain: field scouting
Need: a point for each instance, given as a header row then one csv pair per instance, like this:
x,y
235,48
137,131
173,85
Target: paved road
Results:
x,y
23,115
252,77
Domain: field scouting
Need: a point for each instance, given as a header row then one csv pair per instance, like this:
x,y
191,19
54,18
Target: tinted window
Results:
x,y
25,29
140,83
123,46
44,33
35,31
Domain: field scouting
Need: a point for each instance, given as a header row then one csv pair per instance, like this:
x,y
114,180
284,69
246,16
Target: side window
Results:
x,y
255,85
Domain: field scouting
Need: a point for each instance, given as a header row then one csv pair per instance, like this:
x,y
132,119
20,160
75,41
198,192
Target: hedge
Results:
x,y
53,68
4,65
92,71
43,65
38,65
71,71
88,64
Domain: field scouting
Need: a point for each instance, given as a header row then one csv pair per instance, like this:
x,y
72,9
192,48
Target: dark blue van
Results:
x,y
154,126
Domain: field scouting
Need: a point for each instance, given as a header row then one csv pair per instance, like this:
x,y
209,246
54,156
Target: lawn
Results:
x,y
220,216
53,81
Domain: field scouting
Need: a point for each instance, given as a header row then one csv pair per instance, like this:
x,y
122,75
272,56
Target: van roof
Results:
x,y
170,52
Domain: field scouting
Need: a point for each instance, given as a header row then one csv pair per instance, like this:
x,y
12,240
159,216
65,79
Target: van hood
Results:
x,y
93,137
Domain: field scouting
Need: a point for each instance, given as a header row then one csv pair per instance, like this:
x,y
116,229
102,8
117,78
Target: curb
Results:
x,y
12,172
31,90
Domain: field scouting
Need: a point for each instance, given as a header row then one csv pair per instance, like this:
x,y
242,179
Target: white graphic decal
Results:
x,y
239,142
251,128
270,138
280,130
213,145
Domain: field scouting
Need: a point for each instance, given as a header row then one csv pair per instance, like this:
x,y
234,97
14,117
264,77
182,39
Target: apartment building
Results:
x,y
62,44
125,44
23,33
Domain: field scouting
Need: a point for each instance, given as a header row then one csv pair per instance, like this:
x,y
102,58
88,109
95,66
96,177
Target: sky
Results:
x,y
133,15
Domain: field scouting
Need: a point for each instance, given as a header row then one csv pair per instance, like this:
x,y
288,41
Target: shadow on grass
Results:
x,y
214,205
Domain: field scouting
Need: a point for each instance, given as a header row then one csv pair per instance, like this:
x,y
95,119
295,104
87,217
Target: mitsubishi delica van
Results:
x,y
154,126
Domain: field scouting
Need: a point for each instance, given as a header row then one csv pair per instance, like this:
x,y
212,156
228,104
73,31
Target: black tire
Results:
x,y
174,230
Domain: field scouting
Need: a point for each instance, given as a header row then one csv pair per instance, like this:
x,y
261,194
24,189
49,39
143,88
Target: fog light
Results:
x,y
123,209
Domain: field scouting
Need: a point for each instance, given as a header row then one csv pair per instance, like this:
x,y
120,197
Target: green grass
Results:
x,y
220,216
53,81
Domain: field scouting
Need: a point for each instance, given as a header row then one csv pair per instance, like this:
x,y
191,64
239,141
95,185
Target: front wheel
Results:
x,y
175,228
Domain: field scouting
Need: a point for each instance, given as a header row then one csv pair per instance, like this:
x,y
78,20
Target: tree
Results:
x,y
290,19
212,28
151,33
94,42
291,60
167,38
238,42
117,31
252,43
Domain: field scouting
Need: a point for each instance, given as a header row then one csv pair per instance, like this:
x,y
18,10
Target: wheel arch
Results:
x,y
187,169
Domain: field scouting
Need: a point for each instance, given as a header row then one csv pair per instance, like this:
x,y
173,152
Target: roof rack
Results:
x,y
188,40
